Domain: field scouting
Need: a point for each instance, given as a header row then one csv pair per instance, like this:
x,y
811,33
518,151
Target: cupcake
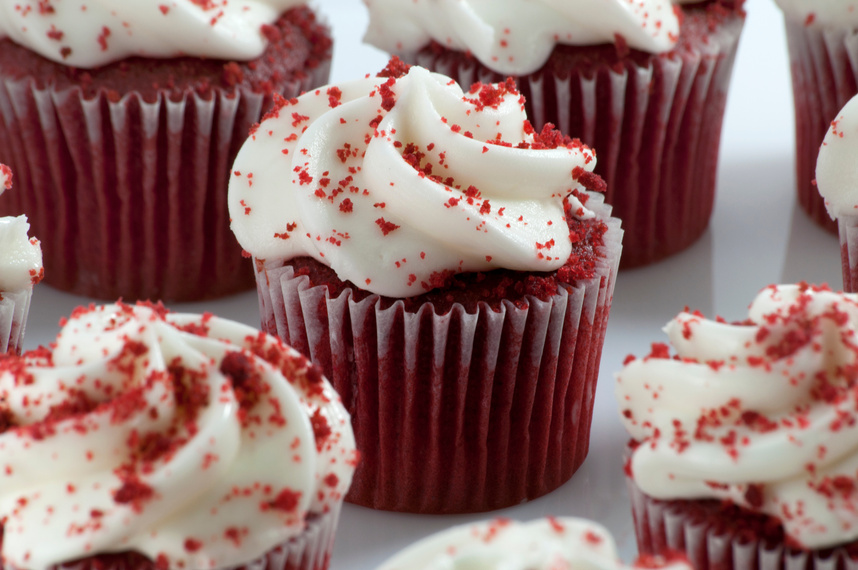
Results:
x,y
447,268
644,83
837,183
121,121
821,37
146,439
20,269
743,443
544,544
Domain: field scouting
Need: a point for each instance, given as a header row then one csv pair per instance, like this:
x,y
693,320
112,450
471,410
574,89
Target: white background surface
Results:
x,y
757,236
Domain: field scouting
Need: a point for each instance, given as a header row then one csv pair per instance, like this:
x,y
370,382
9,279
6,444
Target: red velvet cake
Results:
x,y
651,106
122,166
448,268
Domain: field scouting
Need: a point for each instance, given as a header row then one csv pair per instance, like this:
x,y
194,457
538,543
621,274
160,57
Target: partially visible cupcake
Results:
x,y
822,37
743,447
645,83
151,440
552,543
20,269
837,184
121,121
447,268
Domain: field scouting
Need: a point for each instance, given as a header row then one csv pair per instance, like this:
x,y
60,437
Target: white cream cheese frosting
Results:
x,y
838,14
503,544
763,413
197,441
517,36
393,181
91,33
836,166
20,255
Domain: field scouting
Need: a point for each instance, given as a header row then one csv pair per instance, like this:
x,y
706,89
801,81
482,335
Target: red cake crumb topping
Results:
x,y
394,68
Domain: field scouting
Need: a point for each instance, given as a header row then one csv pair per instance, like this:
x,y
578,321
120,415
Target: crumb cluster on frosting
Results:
x,y
762,413
550,543
91,33
20,255
193,440
398,180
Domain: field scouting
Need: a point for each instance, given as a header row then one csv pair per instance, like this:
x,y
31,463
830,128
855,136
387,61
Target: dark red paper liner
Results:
x,y
713,540
824,66
14,308
461,412
309,551
128,195
654,122
848,231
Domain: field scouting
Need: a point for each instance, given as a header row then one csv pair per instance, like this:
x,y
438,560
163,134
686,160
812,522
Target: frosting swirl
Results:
x,y
392,182
762,413
838,14
91,33
514,36
196,441
20,255
544,544
836,169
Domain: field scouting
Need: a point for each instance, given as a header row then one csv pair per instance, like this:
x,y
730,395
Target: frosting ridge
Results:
x,y
91,33
836,169
20,255
543,544
515,36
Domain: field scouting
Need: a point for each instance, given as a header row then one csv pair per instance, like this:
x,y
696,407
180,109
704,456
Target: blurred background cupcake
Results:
x,y
154,440
822,37
551,543
121,122
447,268
20,269
743,443
837,184
643,83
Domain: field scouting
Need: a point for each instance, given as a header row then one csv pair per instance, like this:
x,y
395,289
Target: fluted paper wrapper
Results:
x,y
656,130
127,196
824,66
460,412
710,544
847,228
310,550
14,308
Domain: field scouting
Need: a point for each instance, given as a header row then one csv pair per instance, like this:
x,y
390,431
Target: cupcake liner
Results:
x,y
654,122
309,551
128,195
824,66
454,412
712,543
847,228
14,308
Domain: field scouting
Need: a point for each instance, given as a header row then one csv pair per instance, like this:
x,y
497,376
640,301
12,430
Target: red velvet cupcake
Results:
x,y
152,440
644,86
822,49
445,267
121,126
20,269
743,452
